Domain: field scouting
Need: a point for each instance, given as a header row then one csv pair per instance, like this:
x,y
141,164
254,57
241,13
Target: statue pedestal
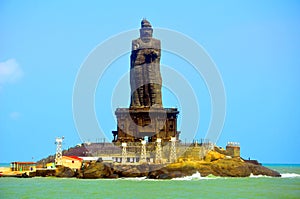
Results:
x,y
136,123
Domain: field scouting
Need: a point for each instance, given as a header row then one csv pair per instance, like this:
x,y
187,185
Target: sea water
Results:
x,y
193,186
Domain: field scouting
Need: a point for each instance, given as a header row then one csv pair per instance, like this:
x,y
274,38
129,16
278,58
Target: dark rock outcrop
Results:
x,y
235,167
65,172
261,170
45,172
222,167
133,170
97,170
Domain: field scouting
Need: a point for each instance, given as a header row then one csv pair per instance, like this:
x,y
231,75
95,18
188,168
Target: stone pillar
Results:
x,y
143,152
158,156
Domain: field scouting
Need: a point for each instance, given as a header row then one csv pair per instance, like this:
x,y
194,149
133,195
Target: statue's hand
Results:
x,y
153,51
150,55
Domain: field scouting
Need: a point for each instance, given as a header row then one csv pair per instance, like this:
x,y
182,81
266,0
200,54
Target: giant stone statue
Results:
x,y
145,77
146,116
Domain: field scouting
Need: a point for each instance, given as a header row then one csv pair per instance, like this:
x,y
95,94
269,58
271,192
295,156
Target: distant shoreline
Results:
x,y
4,165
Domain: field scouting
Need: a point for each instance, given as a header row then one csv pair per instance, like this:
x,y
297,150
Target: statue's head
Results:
x,y
146,31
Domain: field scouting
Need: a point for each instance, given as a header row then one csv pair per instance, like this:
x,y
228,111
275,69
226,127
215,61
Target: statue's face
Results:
x,y
146,34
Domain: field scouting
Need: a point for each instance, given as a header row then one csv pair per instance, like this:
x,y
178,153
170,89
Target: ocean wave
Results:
x,y
259,176
283,175
195,176
290,175
133,178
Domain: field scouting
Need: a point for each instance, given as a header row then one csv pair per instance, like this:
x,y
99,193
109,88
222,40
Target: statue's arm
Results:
x,y
134,45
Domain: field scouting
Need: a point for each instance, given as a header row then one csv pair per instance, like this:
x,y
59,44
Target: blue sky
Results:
x,y
254,44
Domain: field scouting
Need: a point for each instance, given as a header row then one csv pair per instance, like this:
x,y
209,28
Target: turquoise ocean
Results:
x,y
288,186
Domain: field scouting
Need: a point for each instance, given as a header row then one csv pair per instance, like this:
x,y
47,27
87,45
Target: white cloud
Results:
x,y
10,71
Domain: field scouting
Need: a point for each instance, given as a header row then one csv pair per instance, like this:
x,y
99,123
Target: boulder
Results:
x,y
234,167
213,155
230,168
132,170
97,170
45,172
64,172
261,170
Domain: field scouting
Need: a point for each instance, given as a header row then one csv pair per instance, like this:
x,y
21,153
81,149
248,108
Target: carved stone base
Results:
x,y
135,124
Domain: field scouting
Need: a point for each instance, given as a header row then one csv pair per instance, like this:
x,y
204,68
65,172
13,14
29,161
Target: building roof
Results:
x,y
73,157
89,158
23,162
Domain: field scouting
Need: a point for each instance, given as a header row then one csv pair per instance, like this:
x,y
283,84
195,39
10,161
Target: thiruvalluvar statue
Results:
x,y
145,77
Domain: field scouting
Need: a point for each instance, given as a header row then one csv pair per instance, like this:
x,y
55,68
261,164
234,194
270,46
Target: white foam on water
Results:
x,y
195,176
283,175
290,175
258,176
133,178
